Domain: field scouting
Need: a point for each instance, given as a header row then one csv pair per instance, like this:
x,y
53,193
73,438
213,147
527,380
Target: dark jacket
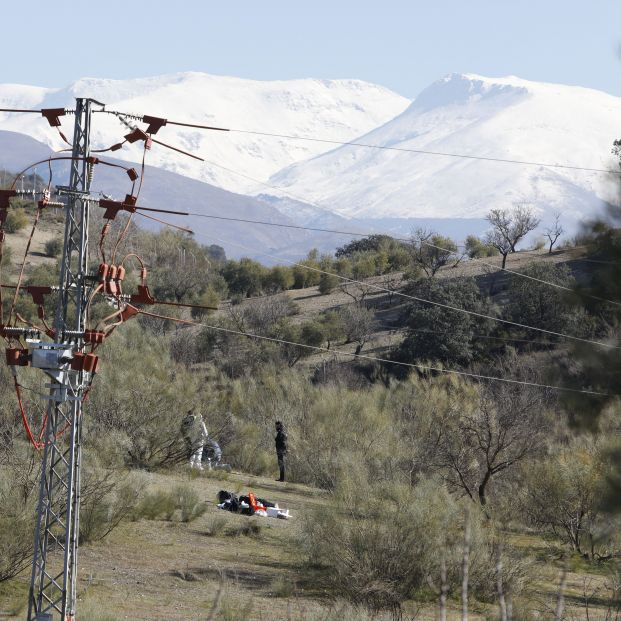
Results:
x,y
281,441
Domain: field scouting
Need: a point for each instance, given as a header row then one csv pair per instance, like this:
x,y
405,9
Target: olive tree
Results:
x,y
430,251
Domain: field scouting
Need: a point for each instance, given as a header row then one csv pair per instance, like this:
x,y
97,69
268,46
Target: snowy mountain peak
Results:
x,y
459,89
491,118
331,109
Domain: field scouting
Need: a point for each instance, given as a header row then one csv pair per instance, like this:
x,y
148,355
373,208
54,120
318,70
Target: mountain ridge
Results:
x,y
336,109
506,118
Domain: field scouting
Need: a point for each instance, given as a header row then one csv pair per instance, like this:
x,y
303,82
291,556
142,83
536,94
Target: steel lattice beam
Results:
x,y
53,582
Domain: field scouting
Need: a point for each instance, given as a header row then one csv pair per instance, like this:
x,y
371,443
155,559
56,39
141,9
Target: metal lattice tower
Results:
x,y
53,582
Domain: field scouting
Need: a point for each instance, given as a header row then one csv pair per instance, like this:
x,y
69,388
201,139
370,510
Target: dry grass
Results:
x,y
163,571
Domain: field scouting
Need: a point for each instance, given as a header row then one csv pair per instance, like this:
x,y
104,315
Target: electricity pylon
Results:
x,y
52,594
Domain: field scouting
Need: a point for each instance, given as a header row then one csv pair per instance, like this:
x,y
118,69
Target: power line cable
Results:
x,y
474,336
419,299
365,145
372,358
212,128
356,234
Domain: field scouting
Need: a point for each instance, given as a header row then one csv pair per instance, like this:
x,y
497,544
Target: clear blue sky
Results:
x,y
404,45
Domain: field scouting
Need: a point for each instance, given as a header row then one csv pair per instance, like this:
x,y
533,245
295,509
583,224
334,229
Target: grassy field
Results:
x,y
239,567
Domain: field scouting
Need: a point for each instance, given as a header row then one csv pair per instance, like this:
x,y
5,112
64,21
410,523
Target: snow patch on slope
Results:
x,y
506,118
331,109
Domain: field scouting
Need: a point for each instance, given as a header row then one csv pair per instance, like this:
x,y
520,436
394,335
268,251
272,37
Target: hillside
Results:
x,y
168,190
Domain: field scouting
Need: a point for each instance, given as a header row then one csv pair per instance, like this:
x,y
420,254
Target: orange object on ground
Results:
x,y
254,503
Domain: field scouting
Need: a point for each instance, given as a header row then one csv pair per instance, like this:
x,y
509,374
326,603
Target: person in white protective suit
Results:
x,y
194,434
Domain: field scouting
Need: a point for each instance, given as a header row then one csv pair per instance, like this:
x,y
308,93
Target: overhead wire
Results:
x,y
212,128
359,234
418,299
371,358
373,146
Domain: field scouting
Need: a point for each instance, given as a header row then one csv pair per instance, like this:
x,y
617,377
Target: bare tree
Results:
x,y
391,281
497,239
357,324
509,227
479,441
358,291
431,251
554,231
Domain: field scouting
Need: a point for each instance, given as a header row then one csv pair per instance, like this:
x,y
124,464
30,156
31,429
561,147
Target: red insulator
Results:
x,y
5,197
91,363
128,312
16,357
155,123
143,296
132,174
103,271
111,288
37,293
135,135
85,362
52,114
113,207
120,273
143,274
112,272
95,337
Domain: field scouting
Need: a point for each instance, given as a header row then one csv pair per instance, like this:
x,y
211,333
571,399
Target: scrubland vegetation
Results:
x,y
427,483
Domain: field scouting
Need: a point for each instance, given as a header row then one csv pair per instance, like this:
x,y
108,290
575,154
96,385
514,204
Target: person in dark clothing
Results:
x,y
281,448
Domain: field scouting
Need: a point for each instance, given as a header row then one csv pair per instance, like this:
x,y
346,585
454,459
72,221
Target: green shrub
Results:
x,y
6,256
15,544
188,503
217,525
155,505
478,249
163,504
539,243
249,528
327,283
16,220
53,247
282,587
107,498
381,543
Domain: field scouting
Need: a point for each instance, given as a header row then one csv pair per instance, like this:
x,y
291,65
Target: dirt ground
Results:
x,y
169,571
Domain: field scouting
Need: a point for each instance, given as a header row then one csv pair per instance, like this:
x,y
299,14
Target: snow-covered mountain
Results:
x,y
332,109
350,187
505,118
